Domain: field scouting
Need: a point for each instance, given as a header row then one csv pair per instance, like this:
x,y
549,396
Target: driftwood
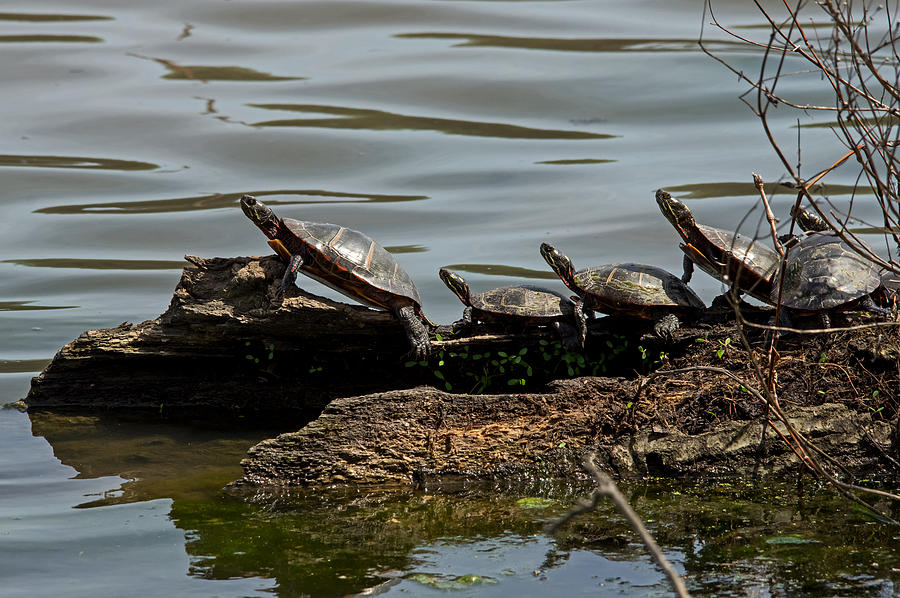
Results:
x,y
427,436
226,346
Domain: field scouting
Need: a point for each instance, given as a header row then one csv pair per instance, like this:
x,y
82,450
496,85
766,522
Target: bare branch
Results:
x,y
607,488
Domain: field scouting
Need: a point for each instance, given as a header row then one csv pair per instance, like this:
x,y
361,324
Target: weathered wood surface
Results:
x,y
424,435
226,345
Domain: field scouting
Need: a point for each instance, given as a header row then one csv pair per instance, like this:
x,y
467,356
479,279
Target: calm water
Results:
x,y
457,134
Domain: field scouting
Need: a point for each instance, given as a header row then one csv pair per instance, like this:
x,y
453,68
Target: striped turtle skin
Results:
x,y
731,257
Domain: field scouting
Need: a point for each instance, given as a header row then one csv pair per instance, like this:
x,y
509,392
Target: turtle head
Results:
x,y
807,221
675,211
560,263
456,284
260,214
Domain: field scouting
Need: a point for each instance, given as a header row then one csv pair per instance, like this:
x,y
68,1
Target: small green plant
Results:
x,y
723,349
649,362
267,353
501,369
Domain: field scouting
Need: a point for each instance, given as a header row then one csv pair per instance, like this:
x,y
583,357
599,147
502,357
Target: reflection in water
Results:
x,y
502,270
213,73
49,38
98,264
43,18
581,161
162,459
406,248
726,189
223,200
604,44
73,162
358,118
22,366
335,542
27,306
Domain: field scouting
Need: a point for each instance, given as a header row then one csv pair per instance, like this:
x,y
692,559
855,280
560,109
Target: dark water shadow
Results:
x,y
73,162
214,73
503,270
27,306
378,120
576,161
98,264
22,366
217,201
732,189
883,121
407,249
162,459
577,45
9,39
49,18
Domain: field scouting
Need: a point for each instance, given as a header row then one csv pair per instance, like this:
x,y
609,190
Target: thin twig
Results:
x,y
606,487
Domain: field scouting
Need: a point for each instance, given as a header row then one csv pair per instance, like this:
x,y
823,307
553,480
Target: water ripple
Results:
x,y
22,366
575,45
217,201
97,264
34,37
734,189
214,73
577,161
358,118
27,306
74,162
503,270
47,18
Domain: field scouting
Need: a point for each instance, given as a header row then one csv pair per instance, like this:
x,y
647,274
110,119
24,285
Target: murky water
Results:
x,y
456,133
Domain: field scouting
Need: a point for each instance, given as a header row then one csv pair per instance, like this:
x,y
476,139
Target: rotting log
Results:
x,y
838,389
428,437
226,346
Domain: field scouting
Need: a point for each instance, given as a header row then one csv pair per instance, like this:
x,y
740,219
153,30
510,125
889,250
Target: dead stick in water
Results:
x,y
606,487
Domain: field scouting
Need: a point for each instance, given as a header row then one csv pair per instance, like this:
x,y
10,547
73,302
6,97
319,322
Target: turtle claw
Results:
x,y
420,344
666,326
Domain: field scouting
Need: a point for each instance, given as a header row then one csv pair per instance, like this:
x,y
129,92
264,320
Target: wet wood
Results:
x,y
227,345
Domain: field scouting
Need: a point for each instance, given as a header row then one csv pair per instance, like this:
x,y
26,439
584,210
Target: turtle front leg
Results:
x,y
665,326
580,323
420,344
465,322
290,274
688,266
869,305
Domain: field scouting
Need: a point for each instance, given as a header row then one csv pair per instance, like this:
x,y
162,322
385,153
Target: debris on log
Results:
x,y
427,436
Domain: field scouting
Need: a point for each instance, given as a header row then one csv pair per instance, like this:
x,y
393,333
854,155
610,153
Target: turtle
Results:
x,y
348,261
807,221
821,274
626,289
731,257
517,307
